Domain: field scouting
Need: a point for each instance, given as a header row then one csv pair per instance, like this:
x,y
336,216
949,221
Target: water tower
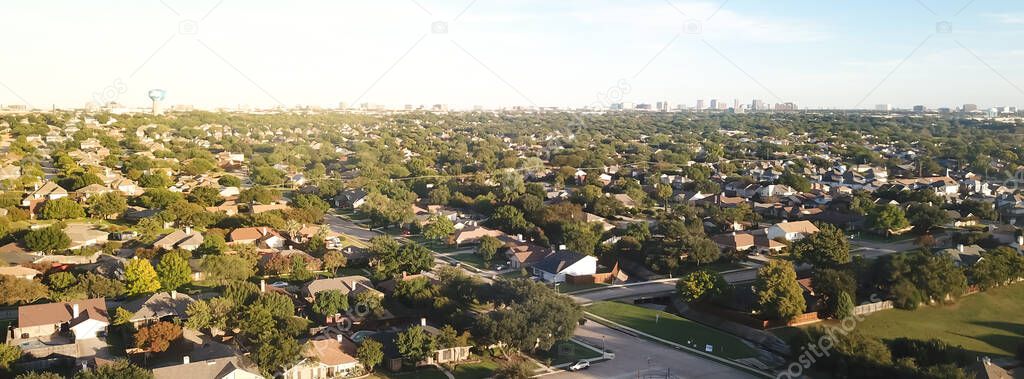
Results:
x,y
157,95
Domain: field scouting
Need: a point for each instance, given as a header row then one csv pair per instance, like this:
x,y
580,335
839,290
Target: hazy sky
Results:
x,y
507,52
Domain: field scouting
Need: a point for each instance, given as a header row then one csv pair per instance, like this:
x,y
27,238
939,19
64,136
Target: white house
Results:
x,y
791,231
554,267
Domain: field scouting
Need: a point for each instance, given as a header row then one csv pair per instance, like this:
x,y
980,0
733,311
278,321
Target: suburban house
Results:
x,y
348,285
474,234
791,231
742,241
84,318
161,306
220,368
326,357
554,267
85,235
260,236
353,198
49,191
20,272
964,255
178,239
393,359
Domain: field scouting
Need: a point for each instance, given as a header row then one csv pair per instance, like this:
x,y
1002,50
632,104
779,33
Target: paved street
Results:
x,y
340,225
653,360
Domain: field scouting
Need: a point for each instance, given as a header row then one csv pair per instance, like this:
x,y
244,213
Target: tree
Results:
x,y
38,375
778,293
700,285
887,218
333,260
702,250
157,337
329,303
95,285
391,259
370,353
510,219
173,272
49,240
300,270
229,181
213,243
140,277
829,285
205,196
925,217
369,300
8,354
15,291
797,181
510,185
439,228
257,195
275,350
121,369
514,369
998,267
61,209
414,344
580,236
121,316
107,205
828,247
199,315
844,309
267,176
417,293
226,268
488,248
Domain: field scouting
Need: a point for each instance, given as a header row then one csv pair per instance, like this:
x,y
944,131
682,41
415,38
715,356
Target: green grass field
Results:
x,y
471,259
672,328
988,323
476,370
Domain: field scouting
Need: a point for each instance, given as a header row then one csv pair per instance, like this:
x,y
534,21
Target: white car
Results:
x,y
581,365
279,284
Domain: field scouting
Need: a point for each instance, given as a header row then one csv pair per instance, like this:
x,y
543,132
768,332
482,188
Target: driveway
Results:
x,y
634,356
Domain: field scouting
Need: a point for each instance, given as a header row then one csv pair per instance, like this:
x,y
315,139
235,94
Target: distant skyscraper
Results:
x,y
786,107
920,108
757,105
342,105
883,107
700,104
736,104
714,104
662,106
970,108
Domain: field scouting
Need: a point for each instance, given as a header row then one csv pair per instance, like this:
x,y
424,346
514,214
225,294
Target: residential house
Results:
x,y
180,239
261,236
393,359
20,272
126,186
470,235
351,198
554,267
219,368
964,256
347,285
791,231
326,357
84,318
48,191
161,306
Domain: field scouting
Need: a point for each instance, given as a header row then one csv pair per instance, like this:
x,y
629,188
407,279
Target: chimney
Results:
x,y
423,321
174,295
188,230
960,248
186,360
263,230
340,337
263,285
74,311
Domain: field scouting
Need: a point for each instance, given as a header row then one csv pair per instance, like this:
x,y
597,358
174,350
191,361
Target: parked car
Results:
x,y
499,267
279,284
581,365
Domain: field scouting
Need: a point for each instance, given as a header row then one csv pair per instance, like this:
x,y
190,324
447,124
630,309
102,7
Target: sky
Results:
x,y
503,53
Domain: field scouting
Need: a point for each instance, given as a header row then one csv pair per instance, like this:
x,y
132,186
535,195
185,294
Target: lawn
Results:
x,y
566,352
476,370
423,373
988,323
471,259
672,328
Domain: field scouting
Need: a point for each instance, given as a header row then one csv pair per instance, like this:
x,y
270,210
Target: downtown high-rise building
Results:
x,y
970,108
713,104
757,105
700,104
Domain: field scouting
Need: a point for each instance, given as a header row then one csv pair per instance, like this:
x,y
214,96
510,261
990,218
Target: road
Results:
x,y
340,225
653,288
650,359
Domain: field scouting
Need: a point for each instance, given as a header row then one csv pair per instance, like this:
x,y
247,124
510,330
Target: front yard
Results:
x,y
673,328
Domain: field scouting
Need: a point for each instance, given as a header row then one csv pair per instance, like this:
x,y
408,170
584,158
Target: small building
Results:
x,y
325,357
85,319
180,239
161,306
554,267
791,231
220,368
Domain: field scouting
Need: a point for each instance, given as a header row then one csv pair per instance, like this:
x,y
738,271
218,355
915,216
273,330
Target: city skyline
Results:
x,y
571,54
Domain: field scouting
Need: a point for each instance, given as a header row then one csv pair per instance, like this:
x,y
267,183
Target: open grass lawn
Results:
x,y
422,373
988,323
566,352
672,328
476,370
471,259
